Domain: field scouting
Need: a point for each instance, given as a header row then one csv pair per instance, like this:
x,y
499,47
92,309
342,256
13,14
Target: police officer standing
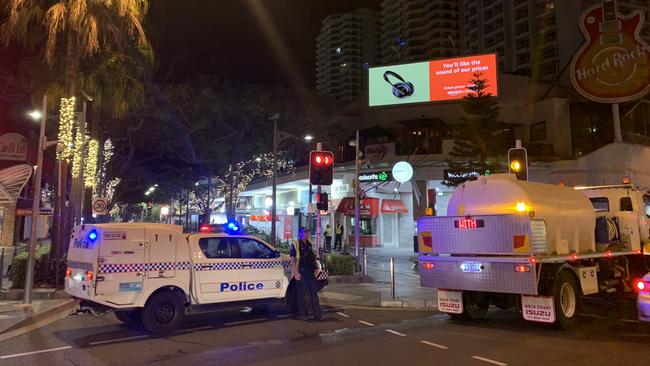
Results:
x,y
328,239
339,237
303,269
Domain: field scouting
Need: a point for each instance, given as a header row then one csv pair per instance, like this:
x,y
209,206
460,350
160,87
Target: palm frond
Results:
x,y
54,23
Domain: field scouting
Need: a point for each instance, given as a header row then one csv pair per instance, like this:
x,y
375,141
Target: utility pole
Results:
x,y
319,147
208,214
357,191
36,206
274,182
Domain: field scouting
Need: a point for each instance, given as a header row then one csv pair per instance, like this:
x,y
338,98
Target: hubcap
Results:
x,y
567,300
164,313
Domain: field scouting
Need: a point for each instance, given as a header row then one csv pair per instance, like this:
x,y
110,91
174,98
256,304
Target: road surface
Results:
x,y
348,336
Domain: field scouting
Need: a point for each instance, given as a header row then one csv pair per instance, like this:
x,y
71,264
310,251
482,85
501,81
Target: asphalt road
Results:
x,y
350,336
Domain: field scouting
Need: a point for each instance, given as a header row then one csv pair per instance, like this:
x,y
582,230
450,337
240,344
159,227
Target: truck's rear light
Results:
x,y
522,268
428,265
68,273
532,260
609,253
573,256
89,275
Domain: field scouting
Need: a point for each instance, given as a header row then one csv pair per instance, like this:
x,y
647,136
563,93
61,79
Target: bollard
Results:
x,y
365,264
392,277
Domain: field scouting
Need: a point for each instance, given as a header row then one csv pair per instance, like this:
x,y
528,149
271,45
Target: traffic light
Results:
x,y
321,168
518,162
321,201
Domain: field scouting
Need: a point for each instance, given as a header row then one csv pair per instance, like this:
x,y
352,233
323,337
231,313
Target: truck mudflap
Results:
x,y
484,274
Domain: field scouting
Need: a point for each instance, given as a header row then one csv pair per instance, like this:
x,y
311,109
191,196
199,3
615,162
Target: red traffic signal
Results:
x,y
321,168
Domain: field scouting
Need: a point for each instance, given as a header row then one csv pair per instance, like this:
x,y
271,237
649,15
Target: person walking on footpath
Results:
x,y
338,237
303,270
328,239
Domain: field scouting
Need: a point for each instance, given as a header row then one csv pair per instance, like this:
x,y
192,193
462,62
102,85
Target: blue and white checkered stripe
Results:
x,y
140,267
168,266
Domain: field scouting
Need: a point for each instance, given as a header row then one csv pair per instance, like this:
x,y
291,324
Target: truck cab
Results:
x,y
154,273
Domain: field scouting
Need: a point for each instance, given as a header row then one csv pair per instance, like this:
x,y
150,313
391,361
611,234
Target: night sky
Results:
x,y
232,38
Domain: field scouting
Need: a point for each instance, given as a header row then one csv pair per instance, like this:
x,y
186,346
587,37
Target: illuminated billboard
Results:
x,y
429,81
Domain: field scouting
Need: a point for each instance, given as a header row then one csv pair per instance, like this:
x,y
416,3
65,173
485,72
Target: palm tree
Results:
x,y
89,27
88,30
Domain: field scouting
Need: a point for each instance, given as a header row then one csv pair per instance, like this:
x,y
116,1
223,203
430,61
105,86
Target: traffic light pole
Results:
x,y
319,147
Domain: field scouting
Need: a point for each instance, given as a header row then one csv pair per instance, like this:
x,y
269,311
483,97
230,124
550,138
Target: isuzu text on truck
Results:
x,y
543,249
153,273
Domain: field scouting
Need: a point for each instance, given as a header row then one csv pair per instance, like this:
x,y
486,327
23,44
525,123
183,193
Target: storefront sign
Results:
x,y
28,212
368,207
460,176
429,81
613,64
402,171
381,176
13,147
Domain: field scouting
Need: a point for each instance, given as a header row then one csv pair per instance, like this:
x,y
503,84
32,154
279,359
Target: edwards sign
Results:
x,y
613,65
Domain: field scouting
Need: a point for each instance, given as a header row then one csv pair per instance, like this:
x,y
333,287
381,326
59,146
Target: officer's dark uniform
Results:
x,y
306,261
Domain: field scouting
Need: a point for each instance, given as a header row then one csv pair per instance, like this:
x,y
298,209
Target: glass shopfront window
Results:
x,y
367,226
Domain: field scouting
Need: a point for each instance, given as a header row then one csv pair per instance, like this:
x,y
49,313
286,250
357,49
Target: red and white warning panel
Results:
x,y
538,308
450,301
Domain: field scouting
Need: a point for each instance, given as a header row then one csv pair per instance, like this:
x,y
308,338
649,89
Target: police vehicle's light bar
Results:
x,y
92,235
232,228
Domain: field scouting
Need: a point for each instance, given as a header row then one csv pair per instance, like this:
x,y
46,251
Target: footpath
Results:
x,y
375,290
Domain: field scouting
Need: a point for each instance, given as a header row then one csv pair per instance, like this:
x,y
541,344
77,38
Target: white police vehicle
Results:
x,y
152,274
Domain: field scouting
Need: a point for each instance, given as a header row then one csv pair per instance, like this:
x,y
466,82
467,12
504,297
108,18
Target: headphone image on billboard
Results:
x,y
400,89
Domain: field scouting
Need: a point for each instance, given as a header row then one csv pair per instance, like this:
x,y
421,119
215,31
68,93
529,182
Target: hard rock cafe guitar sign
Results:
x,y
613,65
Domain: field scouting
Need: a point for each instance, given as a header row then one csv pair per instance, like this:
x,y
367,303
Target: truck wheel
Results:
x,y
163,313
566,298
132,318
475,305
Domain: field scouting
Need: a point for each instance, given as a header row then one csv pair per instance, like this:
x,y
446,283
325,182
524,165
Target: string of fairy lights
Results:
x,y
78,151
66,129
91,164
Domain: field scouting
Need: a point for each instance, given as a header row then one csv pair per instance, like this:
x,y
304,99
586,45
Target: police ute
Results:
x,y
153,274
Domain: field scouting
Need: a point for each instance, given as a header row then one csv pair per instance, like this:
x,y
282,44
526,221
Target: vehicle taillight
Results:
x,y
205,229
522,268
68,273
428,265
640,285
89,275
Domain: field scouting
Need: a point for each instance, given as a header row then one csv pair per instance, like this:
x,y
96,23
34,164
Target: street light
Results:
x,y
36,204
35,114
308,138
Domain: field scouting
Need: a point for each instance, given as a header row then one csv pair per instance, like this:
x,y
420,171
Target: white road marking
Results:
x,y
201,328
630,321
118,340
343,315
245,322
395,332
489,361
434,345
366,323
34,352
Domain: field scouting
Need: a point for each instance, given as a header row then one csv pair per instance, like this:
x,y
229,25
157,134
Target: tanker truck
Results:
x,y
544,250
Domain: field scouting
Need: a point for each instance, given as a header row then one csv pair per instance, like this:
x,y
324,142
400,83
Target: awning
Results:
x,y
368,207
12,181
393,206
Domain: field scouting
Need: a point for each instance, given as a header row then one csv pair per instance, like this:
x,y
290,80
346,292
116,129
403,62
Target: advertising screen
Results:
x,y
429,81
